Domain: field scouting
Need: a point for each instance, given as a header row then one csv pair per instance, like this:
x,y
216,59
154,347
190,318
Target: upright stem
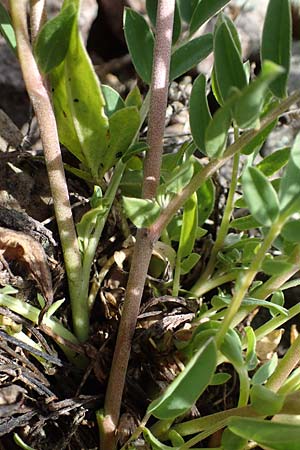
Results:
x,y
222,233
285,366
39,96
144,244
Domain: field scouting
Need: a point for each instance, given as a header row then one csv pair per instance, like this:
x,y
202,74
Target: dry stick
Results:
x,y
41,102
143,248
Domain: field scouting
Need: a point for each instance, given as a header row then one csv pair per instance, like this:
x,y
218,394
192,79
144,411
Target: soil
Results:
x,y
49,401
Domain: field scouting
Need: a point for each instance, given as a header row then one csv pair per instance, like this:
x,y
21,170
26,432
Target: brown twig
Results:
x,y
143,248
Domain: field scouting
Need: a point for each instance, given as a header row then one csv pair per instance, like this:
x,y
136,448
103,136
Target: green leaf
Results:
x,y
189,226
220,378
273,435
251,358
135,149
186,9
256,143
232,348
199,112
20,443
123,125
231,441
260,196
113,100
187,387
190,54
140,211
154,442
54,38
6,29
244,223
291,231
218,302
249,106
151,7
204,10
188,263
264,401
228,66
265,371
86,227
178,178
217,131
206,201
289,191
140,43
277,41
275,266
274,162
79,106
134,98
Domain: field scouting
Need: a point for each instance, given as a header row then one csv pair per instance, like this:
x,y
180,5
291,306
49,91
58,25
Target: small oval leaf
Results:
x,y
54,38
277,41
199,112
140,42
260,196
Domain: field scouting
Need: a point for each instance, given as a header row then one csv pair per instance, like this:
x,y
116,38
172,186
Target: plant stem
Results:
x,y
246,279
39,96
285,366
144,243
223,230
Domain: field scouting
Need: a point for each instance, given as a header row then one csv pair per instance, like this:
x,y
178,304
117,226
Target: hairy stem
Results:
x,y
39,96
144,243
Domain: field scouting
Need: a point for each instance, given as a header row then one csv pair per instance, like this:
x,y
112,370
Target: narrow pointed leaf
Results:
x,y
260,196
204,11
140,42
199,112
187,387
277,41
190,54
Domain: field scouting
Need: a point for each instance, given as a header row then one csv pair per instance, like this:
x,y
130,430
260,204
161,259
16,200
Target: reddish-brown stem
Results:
x,y
143,247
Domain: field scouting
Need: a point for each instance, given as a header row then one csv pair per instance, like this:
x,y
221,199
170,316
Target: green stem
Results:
x,y
285,366
246,279
89,253
36,87
223,230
